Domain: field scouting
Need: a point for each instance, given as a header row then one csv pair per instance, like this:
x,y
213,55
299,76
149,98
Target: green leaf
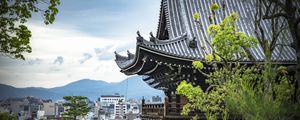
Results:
x,y
214,6
15,36
198,65
196,16
209,57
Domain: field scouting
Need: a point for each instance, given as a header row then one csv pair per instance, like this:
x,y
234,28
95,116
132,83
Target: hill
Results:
x,y
132,87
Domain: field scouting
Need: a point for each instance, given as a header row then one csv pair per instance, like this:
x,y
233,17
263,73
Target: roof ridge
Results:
x,y
160,17
178,38
145,42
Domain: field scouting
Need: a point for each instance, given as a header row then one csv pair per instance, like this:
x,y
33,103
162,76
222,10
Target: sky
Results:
x,y
81,42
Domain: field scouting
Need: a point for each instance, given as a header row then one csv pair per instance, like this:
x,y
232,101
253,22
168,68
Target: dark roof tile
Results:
x,y
182,29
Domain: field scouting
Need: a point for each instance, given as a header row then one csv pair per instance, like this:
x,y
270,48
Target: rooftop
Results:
x,y
177,29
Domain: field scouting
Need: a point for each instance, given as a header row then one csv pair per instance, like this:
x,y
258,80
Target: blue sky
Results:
x,y
81,42
107,18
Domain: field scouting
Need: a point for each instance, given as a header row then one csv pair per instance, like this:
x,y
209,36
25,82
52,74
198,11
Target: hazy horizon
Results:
x,y
112,82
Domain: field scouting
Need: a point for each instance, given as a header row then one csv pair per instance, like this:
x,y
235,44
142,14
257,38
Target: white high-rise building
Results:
x,y
113,106
111,98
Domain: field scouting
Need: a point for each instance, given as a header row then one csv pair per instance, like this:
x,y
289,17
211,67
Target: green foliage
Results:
x,y
209,103
214,6
209,57
259,92
212,57
196,16
76,106
227,41
14,35
6,116
250,96
243,90
198,65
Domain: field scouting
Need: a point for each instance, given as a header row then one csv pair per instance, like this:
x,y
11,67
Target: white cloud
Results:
x,y
86,56
76,49
35,61
105,53
59,60
65,46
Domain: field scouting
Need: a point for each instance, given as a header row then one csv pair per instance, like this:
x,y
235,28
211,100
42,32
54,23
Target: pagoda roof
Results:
x,y
177,15
179,39
124,61
174,49
179,20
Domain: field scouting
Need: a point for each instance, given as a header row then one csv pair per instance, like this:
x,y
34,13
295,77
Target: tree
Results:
x,y
6,116
75,106
14,34
260,91
289,10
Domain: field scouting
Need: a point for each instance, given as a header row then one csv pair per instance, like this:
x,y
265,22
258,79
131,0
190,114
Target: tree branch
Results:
x,y
258,29
203,73
205,38
249,55
297,21
268,6
275,16
276,36
283,45
282,5
210,87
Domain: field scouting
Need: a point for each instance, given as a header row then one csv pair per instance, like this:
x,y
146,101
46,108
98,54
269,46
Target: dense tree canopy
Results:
x,y
75,106
14,34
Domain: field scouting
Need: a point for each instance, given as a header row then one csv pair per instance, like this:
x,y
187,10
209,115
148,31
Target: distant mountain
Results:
x,y
12,92
132,87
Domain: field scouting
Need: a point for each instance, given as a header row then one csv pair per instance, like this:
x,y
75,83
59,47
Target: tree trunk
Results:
x,y
298,68
298,63
295,34
290,8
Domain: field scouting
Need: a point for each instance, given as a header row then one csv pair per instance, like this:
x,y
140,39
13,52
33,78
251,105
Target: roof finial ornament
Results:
x,y
143,101
130,55
139,38
193,43
152,38
138,33
151,34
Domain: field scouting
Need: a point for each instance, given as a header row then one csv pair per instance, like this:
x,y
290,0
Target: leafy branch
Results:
x,y
14,33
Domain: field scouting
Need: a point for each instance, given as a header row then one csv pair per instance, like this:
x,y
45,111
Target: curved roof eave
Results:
x,y
126,63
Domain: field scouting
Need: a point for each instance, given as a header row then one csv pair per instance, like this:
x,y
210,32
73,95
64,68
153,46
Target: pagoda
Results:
x,y
166,59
